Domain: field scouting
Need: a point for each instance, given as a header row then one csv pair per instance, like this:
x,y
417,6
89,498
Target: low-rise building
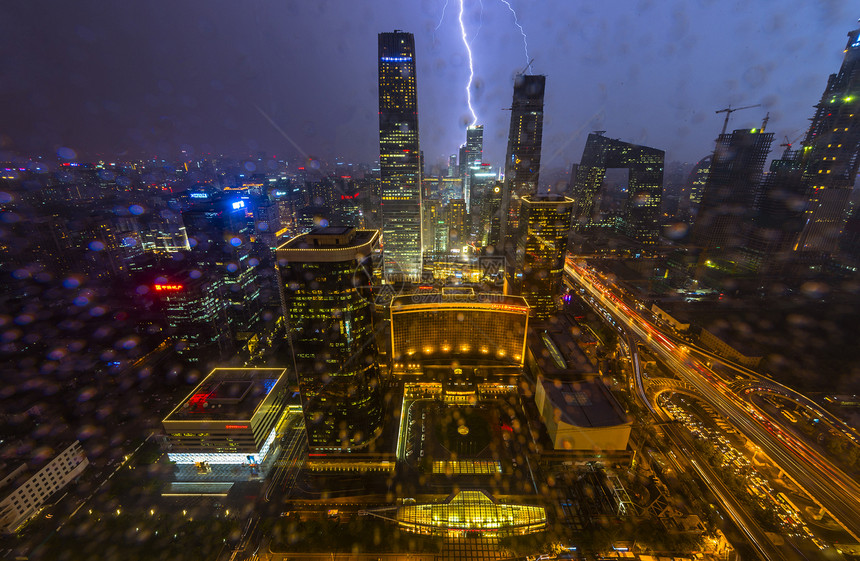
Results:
x,y
229,418
26,483
582,415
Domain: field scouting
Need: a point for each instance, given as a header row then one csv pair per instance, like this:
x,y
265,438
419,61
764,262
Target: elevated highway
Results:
x,y
833,490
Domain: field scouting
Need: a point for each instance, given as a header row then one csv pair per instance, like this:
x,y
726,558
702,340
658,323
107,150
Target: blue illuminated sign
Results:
x,y
199,196
856,42
395,58
238,204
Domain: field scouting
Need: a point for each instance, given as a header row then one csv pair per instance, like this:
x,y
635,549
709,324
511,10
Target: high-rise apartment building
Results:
x,y
522,161
541,251
399,157
730,191
640,218
458,234
830,153
326,277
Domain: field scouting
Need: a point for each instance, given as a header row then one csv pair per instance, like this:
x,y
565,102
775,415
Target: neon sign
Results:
x,y
395,58
238,204
167,287
235,426
199,196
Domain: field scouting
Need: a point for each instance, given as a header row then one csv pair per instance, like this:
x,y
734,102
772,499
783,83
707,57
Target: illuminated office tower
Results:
x,y
541,250
195,315
473,152
830,153
639,219
399,157
522,161
326,277
482,179
728,200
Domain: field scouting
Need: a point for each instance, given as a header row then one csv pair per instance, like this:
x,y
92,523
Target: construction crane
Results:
x,y
728,111
788,143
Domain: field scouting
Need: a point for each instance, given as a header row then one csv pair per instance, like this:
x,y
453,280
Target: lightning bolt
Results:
x,y
522,31
441,17
471,66
480,22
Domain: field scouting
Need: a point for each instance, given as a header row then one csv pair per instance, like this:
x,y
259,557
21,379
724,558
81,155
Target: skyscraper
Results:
x,y
541,250
830,153
644,186
399,157
730,190
473,151
522,161
482,179
325,277
779,215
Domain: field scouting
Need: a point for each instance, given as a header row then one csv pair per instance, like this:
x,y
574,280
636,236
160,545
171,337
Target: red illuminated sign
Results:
x,y
347,197
167,287
235,426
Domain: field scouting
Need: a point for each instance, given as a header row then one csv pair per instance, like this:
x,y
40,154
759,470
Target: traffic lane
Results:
x,y
819,489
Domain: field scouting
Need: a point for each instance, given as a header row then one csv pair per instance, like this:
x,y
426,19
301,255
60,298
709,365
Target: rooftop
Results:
x,y
557,349
329,244
586,403
517,303
227,394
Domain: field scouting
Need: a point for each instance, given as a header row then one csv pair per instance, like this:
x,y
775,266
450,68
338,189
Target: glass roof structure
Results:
x,y
472,511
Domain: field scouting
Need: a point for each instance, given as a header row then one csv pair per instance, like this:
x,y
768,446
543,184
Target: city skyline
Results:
x,y
226,97
637,359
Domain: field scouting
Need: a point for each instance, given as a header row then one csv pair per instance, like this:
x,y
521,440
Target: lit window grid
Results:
x,y
487,333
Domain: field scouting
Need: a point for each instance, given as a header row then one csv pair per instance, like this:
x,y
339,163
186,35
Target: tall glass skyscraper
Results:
x,y
830,153
399,157
473,155
522,162
326,282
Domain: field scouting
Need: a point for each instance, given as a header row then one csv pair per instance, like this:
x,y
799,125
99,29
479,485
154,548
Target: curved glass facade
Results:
x,y
472,511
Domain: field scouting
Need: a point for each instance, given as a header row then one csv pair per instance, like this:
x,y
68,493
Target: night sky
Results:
x,y
156,77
